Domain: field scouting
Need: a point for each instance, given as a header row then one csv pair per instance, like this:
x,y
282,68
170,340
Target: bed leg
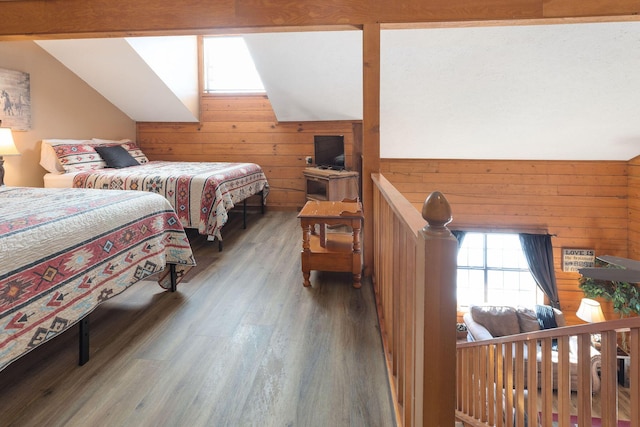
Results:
x,y
244,214
262,201
83,340
219,245
174,277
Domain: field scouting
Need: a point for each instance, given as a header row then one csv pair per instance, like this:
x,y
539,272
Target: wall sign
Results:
x,y
573,259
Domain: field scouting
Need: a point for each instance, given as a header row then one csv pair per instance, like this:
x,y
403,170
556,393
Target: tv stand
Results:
x,y
333,168
329,184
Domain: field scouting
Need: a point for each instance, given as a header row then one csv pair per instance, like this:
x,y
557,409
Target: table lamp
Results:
x,y
7,148
590,311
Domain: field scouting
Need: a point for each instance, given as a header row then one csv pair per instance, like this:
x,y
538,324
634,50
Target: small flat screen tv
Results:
x,y
329,151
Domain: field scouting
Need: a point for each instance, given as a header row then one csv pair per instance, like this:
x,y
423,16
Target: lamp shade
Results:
x,y
7,146
590,311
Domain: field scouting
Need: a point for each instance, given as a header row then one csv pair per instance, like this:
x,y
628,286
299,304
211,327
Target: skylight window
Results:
x,y
229,67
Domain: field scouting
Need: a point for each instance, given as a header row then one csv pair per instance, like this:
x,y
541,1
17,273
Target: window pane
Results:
x,y
471,253
500,298
229,67
504,251
511,280
470,286
494,258
495,280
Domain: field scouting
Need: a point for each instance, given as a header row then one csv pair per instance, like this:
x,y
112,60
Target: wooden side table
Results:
x,y
331,251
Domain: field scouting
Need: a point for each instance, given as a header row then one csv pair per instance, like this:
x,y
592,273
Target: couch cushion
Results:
x,y
527,319
499,320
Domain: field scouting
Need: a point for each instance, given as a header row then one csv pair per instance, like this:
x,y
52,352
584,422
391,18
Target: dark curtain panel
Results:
x,y
459,236
538,250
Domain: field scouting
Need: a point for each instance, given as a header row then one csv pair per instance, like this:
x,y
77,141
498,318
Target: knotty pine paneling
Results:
x,y
553,8
245,129
584,204
634,208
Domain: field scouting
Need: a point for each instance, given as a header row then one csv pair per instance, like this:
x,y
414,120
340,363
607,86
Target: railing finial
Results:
x,y
437,212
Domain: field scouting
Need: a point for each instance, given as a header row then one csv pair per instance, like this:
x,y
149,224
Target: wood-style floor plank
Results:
x,y
242,343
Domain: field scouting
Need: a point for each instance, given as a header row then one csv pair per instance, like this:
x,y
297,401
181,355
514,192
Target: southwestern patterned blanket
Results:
x,y
64,251
201,193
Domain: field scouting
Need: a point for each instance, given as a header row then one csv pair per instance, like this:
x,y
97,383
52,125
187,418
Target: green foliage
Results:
x,y
624,296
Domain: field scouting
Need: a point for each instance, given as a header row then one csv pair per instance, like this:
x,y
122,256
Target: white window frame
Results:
x,y
486,270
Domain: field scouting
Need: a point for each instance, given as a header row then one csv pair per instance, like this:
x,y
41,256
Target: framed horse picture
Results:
x,y
15,100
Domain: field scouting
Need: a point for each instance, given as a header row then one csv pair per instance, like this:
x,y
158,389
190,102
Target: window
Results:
x,y
228,66
493,269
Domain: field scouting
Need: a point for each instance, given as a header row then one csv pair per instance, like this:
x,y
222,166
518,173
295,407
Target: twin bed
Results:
x,y
65,251
202,193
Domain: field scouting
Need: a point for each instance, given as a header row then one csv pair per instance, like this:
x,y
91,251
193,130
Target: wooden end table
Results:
x,y
331,251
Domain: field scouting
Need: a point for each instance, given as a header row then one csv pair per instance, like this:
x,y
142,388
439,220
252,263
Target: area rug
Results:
x,y
595,422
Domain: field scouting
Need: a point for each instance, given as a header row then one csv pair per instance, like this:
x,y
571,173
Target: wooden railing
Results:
x,y
414,280
495,378
488,382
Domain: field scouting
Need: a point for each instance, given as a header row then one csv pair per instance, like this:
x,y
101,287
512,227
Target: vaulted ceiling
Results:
x,y
565,91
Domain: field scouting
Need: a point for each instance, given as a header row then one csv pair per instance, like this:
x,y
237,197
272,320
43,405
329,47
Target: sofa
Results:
x,y
490,321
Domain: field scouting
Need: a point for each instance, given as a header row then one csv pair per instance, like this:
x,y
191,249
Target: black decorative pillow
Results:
x,y
116,157
546,317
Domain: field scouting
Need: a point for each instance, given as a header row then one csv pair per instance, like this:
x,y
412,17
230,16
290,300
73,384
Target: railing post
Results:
x,y
436,270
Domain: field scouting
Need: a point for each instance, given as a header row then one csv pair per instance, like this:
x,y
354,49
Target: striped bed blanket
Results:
x,y
201,193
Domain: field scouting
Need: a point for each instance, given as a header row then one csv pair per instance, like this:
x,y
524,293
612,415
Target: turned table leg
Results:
x,y
357,254
356,281
306,251
306,282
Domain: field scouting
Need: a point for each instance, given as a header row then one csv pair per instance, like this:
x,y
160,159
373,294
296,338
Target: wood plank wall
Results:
x,y
634,208
245,129
584,204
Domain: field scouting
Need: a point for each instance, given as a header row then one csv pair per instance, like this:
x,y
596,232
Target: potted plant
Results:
x,y
624,296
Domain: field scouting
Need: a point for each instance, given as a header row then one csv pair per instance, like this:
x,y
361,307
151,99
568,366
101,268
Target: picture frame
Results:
x,y
574,259
15,100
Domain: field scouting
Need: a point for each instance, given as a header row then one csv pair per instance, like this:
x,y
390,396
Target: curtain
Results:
x,y
538,250
459,234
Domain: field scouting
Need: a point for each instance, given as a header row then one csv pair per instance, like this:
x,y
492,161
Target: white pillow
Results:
x,y
48,157
128,145
98,141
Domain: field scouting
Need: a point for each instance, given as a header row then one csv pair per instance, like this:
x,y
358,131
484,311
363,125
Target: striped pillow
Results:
x,y
76,155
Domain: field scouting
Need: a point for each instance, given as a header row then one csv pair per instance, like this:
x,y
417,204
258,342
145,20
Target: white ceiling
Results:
x,y
567,92
152,79
312,75
525,92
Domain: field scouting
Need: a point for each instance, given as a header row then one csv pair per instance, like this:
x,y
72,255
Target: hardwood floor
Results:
x,y
624,403
241,343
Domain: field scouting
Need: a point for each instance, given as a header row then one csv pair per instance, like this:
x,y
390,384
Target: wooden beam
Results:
x,y
38,19
370,132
